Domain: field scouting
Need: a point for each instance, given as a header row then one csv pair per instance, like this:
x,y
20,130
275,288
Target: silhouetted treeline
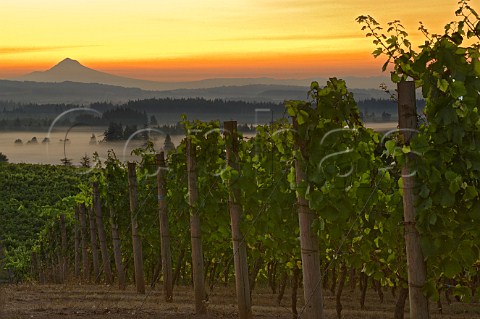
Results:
x,y
164,105
16,116
10,107
31,123
169,105
122,115
192,105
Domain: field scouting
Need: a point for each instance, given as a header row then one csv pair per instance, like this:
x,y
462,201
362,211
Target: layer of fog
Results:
x,y
78,144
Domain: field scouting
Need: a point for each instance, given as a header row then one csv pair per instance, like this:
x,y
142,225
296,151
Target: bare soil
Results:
x,y
88,301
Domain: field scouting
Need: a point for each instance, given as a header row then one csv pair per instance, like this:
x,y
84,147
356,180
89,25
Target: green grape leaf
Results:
x,y
302,117
442,84
476,66
316,201
474,211
419,144
428,247
454,186
470,193
390,146
458,89
329,212
447,198
424,191
450,175
451,267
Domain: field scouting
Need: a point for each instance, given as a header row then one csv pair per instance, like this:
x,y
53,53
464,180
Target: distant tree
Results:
x,y
386,116
168,144
66,161
114,132
125,115
129,131
18,142
153,120
370,116
85,161
145,116
3,158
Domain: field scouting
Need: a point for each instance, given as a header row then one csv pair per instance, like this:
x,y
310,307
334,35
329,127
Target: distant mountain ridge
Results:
x,y
85,93
73,71
71,82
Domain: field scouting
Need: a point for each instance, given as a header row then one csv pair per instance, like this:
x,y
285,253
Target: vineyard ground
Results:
x,y
87,301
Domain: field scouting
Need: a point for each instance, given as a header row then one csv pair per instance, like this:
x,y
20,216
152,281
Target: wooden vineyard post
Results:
x,y
83,232
35,267
195,232
41,266
101,235
117,245
239,249
136,240
407,122
78,253
117,251
63,254
164,232
94,247
312,288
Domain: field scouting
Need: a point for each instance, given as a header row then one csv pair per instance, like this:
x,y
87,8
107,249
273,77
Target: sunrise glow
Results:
x,y
186,40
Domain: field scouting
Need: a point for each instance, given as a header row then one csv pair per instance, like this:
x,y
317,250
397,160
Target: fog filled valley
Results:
x,y
78,145
72,126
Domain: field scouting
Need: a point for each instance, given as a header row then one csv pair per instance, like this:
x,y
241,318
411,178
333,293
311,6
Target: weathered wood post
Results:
x,y
34,267
312,288
117,250
136,240
107,269
94,246
83,232
195,231
407,122
117,245
63,254
41,265
239,249
78,253
164,232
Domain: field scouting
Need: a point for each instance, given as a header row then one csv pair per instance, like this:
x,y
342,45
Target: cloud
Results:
x,y
20,50
303,3
293,37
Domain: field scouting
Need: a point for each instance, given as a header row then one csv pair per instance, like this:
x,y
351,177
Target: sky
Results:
x,y
180,40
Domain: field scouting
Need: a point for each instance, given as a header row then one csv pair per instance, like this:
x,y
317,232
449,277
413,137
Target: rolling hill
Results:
x,y
71,82
73,71
85,93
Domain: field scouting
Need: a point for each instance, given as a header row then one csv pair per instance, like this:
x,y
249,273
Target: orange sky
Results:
x,y
188,40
